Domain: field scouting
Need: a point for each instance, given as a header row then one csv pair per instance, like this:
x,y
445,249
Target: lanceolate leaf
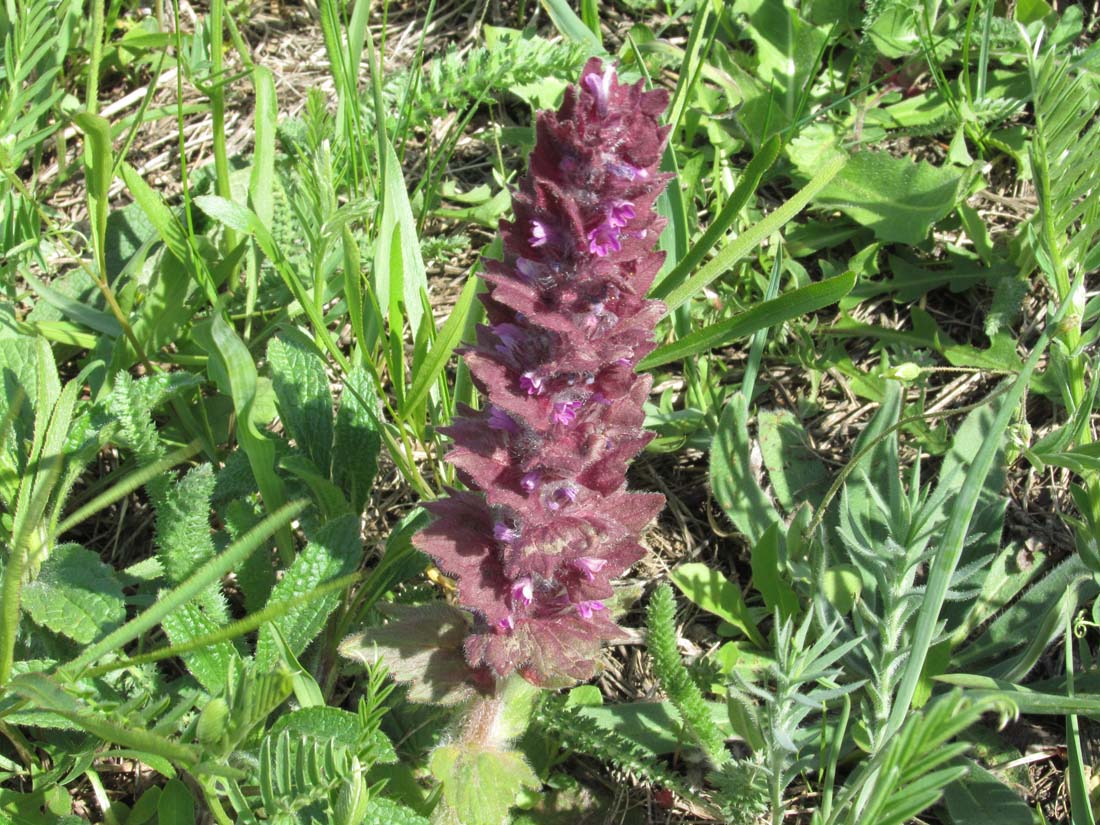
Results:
x,y
356,441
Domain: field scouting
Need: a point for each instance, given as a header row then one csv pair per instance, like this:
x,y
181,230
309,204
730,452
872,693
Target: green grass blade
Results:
x,y
675,293
450,334
954,539
196,583
567,22
761,162
762,316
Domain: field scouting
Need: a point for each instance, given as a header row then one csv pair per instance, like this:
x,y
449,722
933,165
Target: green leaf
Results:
x,y
842,586
762,316
796,474
398,271
210,663
768,574
382,811
304,400
980,688
897,198
733,473
356,441
176,805
980,798
674,292
202,578
333,552
425,375
75,594
571,26
716,594
481,785
325,723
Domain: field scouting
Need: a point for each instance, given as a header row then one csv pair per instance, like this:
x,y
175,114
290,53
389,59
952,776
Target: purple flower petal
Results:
x,y
586,609
565,412
589,566
500,420
523,591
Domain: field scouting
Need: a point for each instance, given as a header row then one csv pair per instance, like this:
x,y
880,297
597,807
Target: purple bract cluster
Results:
x,y
549,522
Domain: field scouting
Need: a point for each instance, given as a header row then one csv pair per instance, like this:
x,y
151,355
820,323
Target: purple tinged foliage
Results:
x,y
548,523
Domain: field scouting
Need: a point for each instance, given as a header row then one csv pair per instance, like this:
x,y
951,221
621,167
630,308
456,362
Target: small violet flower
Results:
x,y
530,481
541,234
531,382
523,591
587,609
589,566
565,412
505,534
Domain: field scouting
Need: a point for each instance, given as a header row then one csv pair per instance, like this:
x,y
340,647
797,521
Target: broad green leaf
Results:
x,y
734,473
897,198
382,811
76,595
480,784
209,664
716,594
796,474
325,723
176,805
762,316
768,574
304,399
334,551
842,585
201,579
356,441
981,798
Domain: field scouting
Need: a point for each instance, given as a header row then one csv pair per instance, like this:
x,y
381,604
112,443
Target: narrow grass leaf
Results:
x,y
762,316
450,335
674,293
571,26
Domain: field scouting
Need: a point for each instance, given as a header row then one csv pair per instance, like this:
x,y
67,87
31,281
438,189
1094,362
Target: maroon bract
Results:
x,y
550,523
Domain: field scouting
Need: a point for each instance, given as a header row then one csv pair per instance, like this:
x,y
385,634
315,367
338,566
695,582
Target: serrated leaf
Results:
x,y
76,595
382,811
334,551
480,785
326,723
897,198
356,440
304,399
209,664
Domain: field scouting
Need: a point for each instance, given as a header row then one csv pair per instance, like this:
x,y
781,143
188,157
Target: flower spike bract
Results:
x,y
548,523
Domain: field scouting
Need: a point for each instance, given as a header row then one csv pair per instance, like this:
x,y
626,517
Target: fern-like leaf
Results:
x,y
675,679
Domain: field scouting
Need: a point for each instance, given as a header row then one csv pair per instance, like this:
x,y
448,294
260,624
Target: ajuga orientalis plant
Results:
x,y
548,522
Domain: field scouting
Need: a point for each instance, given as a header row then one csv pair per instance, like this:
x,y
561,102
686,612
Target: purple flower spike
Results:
x,y
600,86
620,214
504,534
587,609
566,306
